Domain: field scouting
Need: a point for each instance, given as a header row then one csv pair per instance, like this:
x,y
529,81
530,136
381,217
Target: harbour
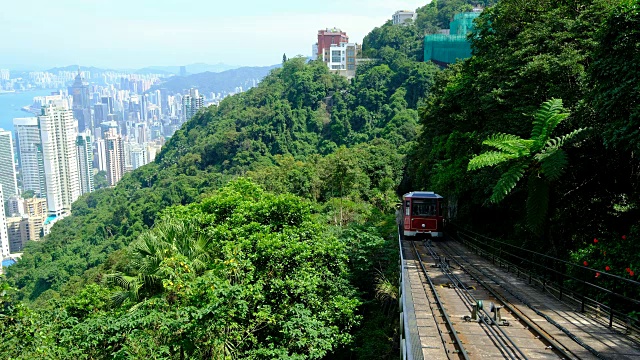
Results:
x,y
16,105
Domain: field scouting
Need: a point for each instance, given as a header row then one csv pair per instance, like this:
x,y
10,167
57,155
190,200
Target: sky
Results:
x,y
129,34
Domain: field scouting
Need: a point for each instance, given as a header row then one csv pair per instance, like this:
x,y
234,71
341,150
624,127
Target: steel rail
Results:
x,y
407,355
458,344
621,317
463,292
557,346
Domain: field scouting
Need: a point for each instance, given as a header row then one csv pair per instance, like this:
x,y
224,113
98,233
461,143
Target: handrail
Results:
x,y
408,344
613,308
550,257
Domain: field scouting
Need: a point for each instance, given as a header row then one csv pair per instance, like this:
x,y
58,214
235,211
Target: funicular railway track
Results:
x,y
477,327
484,313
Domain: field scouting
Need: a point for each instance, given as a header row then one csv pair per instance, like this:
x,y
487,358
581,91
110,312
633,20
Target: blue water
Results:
x,y
8,262
10,105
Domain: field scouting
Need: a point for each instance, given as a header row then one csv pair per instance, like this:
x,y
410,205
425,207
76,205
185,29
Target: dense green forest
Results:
x,y
525,54
265,228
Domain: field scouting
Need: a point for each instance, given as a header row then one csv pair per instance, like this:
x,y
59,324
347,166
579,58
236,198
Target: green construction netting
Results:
x,y
446,49
462,23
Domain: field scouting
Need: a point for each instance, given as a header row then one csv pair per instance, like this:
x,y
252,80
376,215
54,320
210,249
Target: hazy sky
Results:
x,y
138,33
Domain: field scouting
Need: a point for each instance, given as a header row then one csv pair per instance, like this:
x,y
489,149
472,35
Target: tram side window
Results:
x,y
424,208
407,208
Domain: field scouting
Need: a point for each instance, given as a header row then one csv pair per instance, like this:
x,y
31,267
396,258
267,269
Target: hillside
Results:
x,y
195,68
255,231
225,81
303,131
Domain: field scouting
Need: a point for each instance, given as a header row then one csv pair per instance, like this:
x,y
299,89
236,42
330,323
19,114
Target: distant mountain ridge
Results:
x,y
91,69
225,81
194,68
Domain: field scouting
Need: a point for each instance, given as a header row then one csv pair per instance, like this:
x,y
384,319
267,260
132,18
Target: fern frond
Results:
x,y
559,141
540,118
554,121
545,121
119,298
537,204
508,143
508,181
489,158
554,164
121,281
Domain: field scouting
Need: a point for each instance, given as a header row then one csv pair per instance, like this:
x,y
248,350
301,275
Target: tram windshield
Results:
x,y
424,208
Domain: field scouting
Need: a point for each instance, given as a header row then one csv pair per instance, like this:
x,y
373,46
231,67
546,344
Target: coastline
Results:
x,y
18,105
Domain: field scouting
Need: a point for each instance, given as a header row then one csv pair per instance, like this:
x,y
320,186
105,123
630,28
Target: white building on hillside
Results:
x,y
59,152
4,236
402,16
30,155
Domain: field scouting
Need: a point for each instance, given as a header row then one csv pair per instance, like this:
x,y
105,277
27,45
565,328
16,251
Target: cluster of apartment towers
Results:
x,y
56,156
58,161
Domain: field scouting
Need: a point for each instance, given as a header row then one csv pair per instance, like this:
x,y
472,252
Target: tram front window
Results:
x,y
424,208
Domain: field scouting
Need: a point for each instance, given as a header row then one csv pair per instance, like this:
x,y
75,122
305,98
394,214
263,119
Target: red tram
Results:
x,y
422,214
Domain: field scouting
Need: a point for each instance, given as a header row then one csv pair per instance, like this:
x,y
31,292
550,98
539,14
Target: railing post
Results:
x,y
584,290
612,295
561,285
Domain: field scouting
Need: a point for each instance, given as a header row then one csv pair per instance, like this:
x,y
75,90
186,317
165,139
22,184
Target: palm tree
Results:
x,y
541,156
169,238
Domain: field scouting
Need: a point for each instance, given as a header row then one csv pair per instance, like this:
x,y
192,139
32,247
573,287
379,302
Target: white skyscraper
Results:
x,y
30,155
4,236
58,134
7,165
138,155
114,156
85,162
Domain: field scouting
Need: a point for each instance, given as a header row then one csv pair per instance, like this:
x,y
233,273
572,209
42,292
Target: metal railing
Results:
x,y
567,281
410,347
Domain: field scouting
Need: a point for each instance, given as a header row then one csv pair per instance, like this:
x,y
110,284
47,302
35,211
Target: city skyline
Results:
x,y
170,35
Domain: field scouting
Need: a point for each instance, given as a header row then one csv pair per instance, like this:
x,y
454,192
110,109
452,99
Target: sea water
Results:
x,y
12,103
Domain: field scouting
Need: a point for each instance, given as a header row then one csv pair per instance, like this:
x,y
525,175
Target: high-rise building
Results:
x,y
5,74
100,113
152,149
329,37
138,154
35,207
4,237
164,99
15,206
85,162
159,100
31,228
30,155
58,135
13,234
114,157
21,230
100,160
191,103
81,102
108,100
7,165
141,133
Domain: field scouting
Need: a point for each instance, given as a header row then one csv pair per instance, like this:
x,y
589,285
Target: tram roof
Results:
x,y
422,195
